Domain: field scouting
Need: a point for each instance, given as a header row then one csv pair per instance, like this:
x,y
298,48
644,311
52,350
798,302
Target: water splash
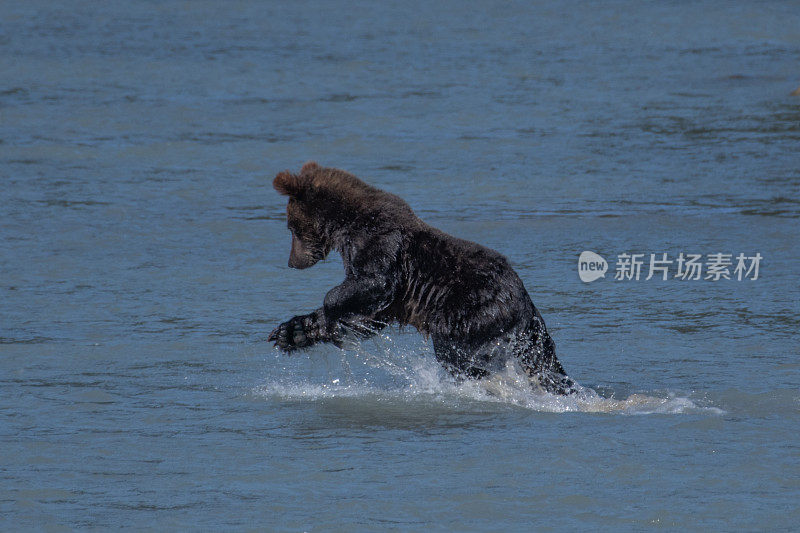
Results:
x,y
392,369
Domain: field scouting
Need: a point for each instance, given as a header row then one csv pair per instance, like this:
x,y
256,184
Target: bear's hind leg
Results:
x,y
536,353
459,360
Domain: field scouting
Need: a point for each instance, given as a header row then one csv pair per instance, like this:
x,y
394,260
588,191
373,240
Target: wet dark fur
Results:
x,y
399,269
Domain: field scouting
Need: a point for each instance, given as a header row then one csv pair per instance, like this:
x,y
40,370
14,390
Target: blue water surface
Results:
x,y
143,264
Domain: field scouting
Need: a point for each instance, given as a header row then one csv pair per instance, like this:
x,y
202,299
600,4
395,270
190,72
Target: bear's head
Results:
x,y
310,238
332,209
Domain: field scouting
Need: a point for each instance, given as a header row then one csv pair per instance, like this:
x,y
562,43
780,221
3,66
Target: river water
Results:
x,y
143,263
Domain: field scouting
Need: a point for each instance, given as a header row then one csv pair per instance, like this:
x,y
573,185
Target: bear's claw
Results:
x,y
291,334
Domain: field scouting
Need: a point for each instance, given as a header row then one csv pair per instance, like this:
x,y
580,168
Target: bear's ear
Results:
x,y
309,168
288,184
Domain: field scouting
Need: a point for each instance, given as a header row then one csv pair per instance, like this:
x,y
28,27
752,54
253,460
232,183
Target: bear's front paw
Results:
x,y
292,334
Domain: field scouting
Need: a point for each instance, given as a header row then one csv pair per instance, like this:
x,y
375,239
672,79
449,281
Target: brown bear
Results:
x,y
398,269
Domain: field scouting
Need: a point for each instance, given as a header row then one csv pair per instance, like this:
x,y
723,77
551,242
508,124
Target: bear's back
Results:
x,y
447,281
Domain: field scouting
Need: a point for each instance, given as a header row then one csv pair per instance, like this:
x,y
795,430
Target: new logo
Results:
x,y
591,267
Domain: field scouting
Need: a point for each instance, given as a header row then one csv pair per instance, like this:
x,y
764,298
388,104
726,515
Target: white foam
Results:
x,y
415,376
